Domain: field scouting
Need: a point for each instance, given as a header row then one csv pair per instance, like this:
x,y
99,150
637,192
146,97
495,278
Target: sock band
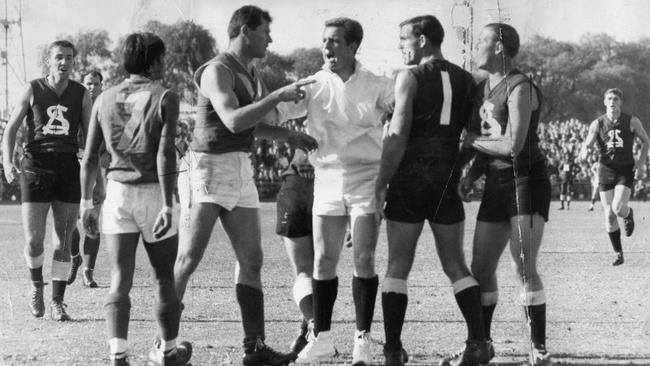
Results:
x,y
395,285
301,288
464,283
35,262
489,298
60,270
117,346
533,298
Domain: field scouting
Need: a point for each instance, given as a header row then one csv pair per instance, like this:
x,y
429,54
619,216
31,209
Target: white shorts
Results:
x,y
222,179
345,191
133,208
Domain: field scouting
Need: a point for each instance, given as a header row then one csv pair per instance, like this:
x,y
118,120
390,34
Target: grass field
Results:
x,y
597,314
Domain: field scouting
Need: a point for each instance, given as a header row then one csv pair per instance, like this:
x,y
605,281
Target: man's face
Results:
x,y
613,102
60,61
409,45
337,54
259,39
93,84
486,48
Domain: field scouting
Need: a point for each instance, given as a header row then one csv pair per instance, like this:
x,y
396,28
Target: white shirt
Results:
x,y
344,117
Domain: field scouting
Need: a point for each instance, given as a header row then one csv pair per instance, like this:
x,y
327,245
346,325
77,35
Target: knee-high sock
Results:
x,y
488,304
118,309
468,297
364,293
91,248
251,304
615,239
394,301
536,311
325,292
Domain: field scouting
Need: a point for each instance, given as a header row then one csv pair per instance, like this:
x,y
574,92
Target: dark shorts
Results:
x,y
295,201
505,196
615,175
48,177
425,191
566,186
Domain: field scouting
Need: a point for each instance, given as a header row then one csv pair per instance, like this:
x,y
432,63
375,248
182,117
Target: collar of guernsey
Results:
x,y
346,118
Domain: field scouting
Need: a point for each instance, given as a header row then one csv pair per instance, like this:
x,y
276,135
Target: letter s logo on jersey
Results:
x,y
489,125
55,112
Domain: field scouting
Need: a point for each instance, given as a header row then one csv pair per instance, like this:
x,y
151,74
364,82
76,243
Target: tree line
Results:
x,y
571,75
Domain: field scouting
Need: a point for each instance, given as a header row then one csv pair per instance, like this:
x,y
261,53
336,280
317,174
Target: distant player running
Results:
x,y
614,133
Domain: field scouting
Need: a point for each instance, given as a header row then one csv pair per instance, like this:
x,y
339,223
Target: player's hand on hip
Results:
x,y
299,140
163,223
294,92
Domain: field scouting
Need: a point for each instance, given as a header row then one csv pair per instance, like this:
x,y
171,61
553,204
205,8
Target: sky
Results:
x,y
299,23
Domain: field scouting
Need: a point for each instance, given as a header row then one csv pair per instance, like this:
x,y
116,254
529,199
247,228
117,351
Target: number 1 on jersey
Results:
x,y
445,113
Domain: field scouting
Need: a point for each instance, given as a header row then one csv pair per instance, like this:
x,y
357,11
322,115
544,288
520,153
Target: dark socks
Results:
x,y
251,304
488,311
36,274
469,302
118,310
615,238
325,292
364,293
91,247
58,290
537,321
394,307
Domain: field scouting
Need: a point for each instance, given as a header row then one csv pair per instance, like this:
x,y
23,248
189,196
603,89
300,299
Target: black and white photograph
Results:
x,y
340,182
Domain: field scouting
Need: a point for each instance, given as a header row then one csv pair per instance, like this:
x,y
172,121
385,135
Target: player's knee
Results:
x,y
481,272
619,209
251,266
365,259
118,300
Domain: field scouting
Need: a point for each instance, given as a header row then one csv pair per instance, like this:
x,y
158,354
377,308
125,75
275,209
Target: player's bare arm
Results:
x,y
166,162
217,84
521,104
9,136
89,170
394,144
589,141
640,132
86,111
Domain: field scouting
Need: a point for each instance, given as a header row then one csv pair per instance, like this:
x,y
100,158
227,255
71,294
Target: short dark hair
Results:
x,y
426,25
94,73
508,36
353,32
615,91
63,44
249,15
141,50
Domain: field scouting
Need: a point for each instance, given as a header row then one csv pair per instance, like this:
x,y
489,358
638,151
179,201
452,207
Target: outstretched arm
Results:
x,y
217,84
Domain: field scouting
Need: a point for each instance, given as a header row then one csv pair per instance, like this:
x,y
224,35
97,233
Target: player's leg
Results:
x,y
365,282
162,255
569,194
563,189
449,245
65,216
195,227
121,259
91,248
490,239
300,252
402,241
611,225
34,215
594,196
328,233
75,255
243,227
525,242
621,208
